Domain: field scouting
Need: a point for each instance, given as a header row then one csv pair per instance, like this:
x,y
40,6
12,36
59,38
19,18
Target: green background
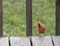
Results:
x,y
14,17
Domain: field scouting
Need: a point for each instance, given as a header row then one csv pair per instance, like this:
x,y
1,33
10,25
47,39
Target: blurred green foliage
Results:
x,y
14,16
44,10
14,19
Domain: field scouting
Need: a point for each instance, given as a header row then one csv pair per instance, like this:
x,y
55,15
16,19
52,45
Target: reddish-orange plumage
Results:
x,y
41,28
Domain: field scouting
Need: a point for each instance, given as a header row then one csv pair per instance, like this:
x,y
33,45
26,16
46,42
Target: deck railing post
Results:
x,y
29,17
1,32
58,17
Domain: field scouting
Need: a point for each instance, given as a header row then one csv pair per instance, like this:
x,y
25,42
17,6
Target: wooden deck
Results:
x,y
30,41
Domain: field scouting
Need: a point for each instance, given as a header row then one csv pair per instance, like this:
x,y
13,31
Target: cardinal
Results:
x,y
41,28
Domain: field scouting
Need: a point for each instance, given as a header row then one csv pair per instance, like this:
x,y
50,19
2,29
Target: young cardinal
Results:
x,y
41,28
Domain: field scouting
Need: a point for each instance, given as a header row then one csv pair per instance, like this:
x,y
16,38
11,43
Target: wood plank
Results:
x,y
56,40
20,41
4,41
42,41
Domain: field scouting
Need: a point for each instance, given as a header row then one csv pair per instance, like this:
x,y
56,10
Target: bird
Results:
x,y
41,28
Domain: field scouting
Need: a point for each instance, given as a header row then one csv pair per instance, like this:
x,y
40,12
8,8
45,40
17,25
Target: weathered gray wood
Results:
x,y
20,41
56,40
4,41
42,41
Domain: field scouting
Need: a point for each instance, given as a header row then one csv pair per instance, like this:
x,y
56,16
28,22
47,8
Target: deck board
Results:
x,y
56,40
36,41
4,41
42,41
20,41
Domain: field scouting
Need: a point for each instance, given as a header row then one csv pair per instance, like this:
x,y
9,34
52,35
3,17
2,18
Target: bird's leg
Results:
x,y
41,35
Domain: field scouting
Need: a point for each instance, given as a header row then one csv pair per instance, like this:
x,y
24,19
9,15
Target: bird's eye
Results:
x,y
39,26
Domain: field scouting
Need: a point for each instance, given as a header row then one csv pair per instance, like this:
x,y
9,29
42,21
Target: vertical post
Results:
x,y
1,32
29,17
58,17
